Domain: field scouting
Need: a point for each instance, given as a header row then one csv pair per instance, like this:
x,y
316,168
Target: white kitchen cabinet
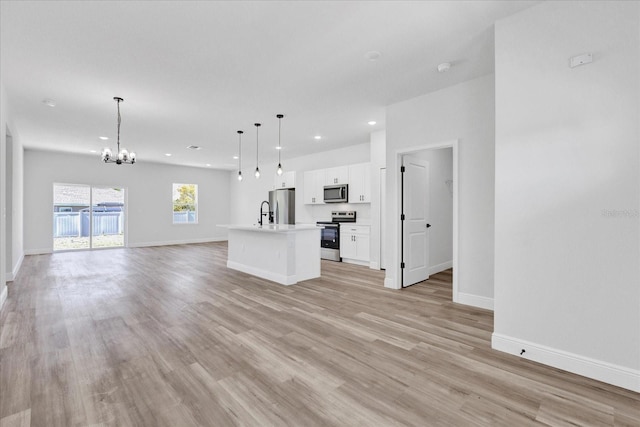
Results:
x,y
355,243
313,187
286,180
360,183
339,175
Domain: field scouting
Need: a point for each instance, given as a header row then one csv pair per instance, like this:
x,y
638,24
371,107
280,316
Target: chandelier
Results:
x,y
123,155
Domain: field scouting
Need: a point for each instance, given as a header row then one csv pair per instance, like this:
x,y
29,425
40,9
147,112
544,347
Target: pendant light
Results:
x,y
257,174
240,155
279,116
123,155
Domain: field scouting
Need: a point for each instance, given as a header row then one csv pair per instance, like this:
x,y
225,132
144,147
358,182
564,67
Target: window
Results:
x,y
185,203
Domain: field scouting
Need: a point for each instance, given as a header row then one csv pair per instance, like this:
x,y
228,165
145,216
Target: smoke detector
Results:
x,y
444,67
372,55
194,147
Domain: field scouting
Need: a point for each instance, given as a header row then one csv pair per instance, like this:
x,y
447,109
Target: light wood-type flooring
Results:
x,y
168,336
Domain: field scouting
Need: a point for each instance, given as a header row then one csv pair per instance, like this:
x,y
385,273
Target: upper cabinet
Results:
x,y
358,177
313,187
360,183
286,180
339,175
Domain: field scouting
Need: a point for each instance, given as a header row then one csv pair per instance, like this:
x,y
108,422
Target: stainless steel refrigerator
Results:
x,y
282,203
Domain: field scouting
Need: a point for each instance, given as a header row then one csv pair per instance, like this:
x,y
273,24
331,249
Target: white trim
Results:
x,y
178,242
3,294
390,283
440,267
453,144
265,274
12,275
17,267
596,369
136,245
475,301
355,261
374,265
41,251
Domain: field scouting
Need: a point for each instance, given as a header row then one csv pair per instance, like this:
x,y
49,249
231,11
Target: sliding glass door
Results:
x,y
86,217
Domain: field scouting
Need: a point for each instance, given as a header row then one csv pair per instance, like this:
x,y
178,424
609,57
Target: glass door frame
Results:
x,y
125,222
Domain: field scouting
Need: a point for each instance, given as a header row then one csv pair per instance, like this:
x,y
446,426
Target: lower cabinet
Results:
x,y
354,243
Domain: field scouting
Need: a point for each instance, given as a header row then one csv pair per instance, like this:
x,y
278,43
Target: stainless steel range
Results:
x,y
330,235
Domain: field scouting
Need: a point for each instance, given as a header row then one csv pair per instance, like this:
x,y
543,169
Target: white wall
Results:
x,y
149,197
464,112
17,206
567,188
3,191
246,195
378,162
440,207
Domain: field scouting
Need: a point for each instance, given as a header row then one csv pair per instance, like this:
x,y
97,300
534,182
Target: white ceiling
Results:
x,y
196,72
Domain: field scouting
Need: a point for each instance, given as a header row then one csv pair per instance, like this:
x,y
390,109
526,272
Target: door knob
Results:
x,y
428,225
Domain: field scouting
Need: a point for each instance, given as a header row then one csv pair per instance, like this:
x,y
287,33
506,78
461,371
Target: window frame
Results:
x,y
175,188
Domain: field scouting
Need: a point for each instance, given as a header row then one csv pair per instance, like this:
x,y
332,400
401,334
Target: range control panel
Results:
x,y
343,216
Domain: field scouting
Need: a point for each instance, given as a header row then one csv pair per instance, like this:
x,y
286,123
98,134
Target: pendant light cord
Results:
x,y
119,121
279,131
239,150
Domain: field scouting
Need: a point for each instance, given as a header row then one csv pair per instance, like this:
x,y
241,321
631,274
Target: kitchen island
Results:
x,y
286,254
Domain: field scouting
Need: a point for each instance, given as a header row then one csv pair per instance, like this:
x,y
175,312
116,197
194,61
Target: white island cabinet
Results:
x,y
286,254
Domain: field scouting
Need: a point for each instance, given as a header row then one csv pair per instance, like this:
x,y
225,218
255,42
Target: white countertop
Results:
x,y
271,228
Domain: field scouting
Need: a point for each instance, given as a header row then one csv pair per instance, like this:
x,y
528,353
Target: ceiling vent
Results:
x,y
194,147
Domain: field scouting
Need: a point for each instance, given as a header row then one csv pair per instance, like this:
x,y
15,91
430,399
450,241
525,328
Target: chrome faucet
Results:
x,y
268,213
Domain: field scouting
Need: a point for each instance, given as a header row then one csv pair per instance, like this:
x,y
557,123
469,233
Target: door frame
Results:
x,y
125,217
453,144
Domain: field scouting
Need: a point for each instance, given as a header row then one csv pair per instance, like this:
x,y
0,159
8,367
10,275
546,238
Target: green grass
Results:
x,y
71,243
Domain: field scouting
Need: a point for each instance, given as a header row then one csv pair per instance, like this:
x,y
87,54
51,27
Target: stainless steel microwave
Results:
x,y
336,193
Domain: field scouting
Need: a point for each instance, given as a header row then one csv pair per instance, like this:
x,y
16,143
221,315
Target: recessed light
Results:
x,y
49,102
317,137
373,55
278,148
167,154
235,157
104,138
371,122
208,165
444,67
92,151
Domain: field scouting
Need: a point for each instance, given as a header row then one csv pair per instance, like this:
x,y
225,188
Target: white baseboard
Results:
x,y
374,265
3,294
571,362
42,251
390,283
355,261
473,300
440,267
177,242
269,275
16,268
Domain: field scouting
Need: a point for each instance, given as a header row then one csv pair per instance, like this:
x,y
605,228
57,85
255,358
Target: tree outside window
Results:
x,y
185,203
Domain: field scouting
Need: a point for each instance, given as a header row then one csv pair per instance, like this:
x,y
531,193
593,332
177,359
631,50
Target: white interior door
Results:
x,y
415,207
